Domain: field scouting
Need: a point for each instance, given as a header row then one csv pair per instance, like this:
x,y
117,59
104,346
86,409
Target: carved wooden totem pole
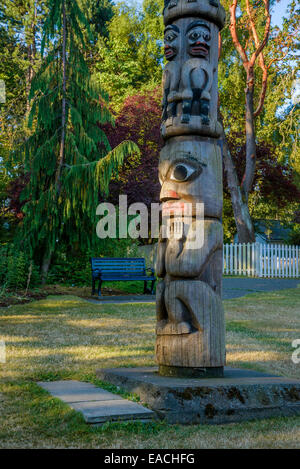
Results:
x,y
190,320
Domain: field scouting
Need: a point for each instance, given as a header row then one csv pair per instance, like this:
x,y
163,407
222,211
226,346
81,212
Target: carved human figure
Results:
x,y
189,177
171,75
197,73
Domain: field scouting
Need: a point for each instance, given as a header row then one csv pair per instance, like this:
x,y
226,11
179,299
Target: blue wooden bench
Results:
x,y
111,269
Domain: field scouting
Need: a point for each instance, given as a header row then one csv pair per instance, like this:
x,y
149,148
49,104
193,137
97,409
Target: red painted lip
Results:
x,y
173,207
198,49
169,52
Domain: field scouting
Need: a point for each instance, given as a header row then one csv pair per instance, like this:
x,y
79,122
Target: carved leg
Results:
x,y
204,106
186,111
161,311
165,105
174,109
171,110
178,315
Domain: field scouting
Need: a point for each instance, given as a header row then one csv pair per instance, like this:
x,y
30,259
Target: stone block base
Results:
x,y
188,372
240,395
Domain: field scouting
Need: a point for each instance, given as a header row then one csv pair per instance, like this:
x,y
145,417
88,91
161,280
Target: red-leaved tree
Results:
x,y
272,180
139,121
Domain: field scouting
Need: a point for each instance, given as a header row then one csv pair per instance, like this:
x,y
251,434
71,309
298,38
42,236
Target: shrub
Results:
x,y
74,268
16,269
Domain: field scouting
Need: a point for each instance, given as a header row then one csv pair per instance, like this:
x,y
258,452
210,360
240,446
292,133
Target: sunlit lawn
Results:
x,y
68,338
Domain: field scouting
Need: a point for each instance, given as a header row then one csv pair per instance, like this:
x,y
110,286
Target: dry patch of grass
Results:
x,y
66,337
260,330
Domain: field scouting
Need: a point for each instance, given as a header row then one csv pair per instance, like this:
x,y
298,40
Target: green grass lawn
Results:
x,y
65,337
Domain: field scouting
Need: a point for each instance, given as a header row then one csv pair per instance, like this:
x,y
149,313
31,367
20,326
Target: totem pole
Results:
x,y
190,320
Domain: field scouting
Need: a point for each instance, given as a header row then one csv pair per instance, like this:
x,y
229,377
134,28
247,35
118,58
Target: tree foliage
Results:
x,y
68,156
117,50
130,59
253,68
278,123
139,120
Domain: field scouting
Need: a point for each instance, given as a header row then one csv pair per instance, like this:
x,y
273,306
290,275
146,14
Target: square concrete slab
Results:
x,y
240,395
96,404
76,391
103,411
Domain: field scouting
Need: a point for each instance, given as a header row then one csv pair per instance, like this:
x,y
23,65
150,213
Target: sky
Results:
x,y
278,12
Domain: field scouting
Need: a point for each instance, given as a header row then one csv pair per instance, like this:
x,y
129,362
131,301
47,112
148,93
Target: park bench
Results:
x,y
111,269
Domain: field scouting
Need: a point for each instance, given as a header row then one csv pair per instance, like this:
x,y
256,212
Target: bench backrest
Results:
x,y
119,265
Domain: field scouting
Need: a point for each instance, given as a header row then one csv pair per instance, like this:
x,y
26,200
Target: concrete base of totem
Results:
x,y
240,395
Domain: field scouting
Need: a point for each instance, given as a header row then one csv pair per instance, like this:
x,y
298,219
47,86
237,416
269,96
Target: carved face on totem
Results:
x,y
171,40
179,179
189,177
198,39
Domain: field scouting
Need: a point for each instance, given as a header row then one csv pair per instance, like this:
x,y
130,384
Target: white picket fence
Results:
x,y
261,260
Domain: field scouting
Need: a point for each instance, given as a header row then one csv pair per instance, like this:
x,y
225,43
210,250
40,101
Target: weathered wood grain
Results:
x,y
190,332
190,79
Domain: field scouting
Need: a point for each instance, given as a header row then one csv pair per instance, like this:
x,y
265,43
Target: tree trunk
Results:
x,y
31,56
248,177
240,194
46,265
29,76
63,115
49,252
243,221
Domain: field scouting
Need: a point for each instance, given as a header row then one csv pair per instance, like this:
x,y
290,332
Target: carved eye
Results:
x,y
183,172
170,37
206,37
194,36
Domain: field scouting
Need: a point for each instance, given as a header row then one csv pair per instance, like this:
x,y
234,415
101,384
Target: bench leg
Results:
x,y
93,287
152,286
99,288
145,287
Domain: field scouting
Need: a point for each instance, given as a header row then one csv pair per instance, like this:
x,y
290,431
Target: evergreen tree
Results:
x,y
68,155
99,13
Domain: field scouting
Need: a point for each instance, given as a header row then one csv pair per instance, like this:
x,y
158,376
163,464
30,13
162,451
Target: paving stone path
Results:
x,y
232,288
237,287
96,404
